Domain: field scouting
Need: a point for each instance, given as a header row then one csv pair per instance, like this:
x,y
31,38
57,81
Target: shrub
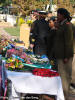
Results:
x,y
20,21
29,22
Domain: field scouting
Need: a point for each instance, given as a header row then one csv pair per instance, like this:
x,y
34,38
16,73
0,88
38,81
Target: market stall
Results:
x,y
29,73
26,82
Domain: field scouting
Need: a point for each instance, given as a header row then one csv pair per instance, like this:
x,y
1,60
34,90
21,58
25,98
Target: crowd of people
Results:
x,y
53,36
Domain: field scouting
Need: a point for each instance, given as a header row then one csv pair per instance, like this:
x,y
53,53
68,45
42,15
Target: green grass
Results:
x,y
14,31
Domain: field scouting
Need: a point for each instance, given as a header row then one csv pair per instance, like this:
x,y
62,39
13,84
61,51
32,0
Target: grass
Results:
x,y
14,31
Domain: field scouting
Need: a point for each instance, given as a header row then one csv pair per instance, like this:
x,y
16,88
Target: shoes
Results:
x,y
72,88
73,85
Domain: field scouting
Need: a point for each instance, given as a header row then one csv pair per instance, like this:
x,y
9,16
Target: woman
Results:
x,y
50,42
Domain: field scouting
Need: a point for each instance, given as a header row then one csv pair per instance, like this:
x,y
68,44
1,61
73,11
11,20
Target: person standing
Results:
x,y
63,48
50,42
40,31
49,15
34,16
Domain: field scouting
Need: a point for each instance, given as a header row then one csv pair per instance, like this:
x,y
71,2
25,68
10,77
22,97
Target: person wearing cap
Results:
x,y
63,48
34,16
40,32
49,15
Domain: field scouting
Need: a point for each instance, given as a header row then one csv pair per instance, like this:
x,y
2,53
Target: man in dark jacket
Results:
x,y
40,31
63,48
34,16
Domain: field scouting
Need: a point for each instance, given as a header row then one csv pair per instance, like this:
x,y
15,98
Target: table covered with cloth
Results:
x,y
26,82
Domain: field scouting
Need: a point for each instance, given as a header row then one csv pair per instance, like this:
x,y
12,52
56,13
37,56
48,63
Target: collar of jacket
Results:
x,y
64,21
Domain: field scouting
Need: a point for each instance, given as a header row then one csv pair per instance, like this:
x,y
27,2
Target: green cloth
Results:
x,y
44,65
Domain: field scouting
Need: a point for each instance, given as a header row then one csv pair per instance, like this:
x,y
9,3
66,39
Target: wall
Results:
x,y
11,19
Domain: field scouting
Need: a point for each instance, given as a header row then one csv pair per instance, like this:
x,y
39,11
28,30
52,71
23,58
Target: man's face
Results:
x,y
32,16
49,15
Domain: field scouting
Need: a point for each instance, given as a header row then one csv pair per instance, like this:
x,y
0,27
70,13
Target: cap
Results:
x,y
43,12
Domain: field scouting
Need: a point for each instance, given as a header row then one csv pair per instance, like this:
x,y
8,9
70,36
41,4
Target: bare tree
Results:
x,y
26,5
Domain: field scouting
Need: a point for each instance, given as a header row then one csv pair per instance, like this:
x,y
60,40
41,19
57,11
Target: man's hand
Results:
x,y
31,45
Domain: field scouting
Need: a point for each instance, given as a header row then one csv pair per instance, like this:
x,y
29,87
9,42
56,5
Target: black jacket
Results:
x,y
39,34
50,43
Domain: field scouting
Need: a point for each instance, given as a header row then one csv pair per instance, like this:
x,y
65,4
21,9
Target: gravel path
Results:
x,y
4,34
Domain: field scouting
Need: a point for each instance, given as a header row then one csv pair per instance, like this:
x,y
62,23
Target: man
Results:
x,y
39,33
49,15
34,16
63,48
